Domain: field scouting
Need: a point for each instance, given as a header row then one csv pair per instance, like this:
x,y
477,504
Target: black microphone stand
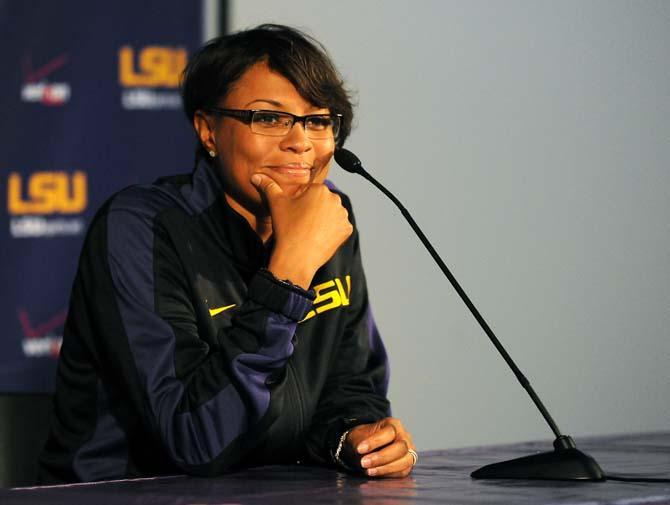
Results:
x,y
565,462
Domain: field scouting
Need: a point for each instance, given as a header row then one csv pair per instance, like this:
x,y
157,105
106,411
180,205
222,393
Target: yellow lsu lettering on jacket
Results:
x,y
330,295
158,66
48,193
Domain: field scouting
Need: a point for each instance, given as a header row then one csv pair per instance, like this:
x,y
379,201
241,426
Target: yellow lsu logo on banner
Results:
x,y
48,193
158,66
330,295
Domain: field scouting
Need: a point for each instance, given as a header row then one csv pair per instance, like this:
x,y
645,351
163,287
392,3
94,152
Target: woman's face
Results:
x,y
292,161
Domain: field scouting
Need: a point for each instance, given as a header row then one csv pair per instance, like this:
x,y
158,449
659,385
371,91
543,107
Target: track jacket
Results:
x,y
182,354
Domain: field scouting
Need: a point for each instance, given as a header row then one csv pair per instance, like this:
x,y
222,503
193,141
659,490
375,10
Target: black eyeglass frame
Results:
x,y
247,115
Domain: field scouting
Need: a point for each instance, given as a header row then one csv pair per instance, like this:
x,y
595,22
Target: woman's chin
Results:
x,y
291,189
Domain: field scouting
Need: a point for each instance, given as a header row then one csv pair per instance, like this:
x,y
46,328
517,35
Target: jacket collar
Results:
x,y
238,238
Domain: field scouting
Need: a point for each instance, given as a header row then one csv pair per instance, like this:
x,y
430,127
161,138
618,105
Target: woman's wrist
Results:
x,y
291,270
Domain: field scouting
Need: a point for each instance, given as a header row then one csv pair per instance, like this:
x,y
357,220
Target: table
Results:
x,y
440,477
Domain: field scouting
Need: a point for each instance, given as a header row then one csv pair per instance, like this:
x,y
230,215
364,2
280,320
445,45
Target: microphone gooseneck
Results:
x,y
580,466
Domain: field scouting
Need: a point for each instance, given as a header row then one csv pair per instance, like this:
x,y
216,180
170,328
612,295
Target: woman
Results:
x,y
220,319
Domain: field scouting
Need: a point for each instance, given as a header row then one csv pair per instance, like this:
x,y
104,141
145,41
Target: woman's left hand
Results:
x,y
383,448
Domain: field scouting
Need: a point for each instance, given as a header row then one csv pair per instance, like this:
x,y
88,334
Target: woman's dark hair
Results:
x,y
300,58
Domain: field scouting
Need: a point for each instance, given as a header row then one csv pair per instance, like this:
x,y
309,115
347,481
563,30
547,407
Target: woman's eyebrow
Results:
x,y
266,100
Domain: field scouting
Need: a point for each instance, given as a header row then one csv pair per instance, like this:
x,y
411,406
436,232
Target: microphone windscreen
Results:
x,y
347,160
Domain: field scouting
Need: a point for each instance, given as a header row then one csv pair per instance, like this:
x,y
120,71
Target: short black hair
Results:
x,y
216,66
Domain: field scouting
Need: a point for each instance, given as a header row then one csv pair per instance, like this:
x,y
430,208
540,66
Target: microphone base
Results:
x,y
559,464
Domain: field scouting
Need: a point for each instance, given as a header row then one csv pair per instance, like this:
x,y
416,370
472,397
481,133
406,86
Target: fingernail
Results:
x,y
372,471
255,179
365,462
363,447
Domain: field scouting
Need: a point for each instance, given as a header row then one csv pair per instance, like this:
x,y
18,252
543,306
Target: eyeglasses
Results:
x,y
278,124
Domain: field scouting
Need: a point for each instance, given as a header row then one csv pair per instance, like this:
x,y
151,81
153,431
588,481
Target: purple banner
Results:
x,y
90,104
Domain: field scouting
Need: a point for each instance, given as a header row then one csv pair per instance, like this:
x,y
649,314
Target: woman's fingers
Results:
x,y
386,455
383,448
400,466
384,436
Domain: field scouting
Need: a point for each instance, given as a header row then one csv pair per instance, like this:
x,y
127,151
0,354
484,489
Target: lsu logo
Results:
x,y
157,66
47,193
330,295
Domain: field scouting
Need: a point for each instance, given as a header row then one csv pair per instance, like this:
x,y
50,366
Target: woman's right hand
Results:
x,y
308,228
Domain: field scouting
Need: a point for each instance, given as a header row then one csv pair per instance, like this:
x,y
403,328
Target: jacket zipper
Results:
x,y
298,397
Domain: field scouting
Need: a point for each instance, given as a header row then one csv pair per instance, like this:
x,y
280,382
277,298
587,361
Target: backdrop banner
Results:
x,y
90,104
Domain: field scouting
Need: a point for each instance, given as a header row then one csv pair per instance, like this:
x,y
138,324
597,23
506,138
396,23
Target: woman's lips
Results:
x,y
298,170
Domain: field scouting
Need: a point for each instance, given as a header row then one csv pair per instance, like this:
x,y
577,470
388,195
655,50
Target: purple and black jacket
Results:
x,y
182,354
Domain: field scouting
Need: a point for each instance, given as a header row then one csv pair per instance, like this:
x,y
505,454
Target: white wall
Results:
x,y
531,141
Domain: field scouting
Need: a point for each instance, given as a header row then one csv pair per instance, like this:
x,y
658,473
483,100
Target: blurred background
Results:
x,y
529,139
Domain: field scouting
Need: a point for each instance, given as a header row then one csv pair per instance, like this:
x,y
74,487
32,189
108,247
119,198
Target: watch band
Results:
x,y
338,451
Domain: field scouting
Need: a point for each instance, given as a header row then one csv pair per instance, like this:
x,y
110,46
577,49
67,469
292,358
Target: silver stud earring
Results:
x,y
212,153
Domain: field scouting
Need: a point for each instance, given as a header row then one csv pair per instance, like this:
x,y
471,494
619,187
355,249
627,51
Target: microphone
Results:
x,y
565,462
348,161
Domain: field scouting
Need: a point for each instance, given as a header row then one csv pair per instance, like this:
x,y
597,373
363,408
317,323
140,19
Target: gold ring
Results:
x,y
414,455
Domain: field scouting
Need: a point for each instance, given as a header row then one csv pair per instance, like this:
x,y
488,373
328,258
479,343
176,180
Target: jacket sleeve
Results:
x,y
206,403
357,383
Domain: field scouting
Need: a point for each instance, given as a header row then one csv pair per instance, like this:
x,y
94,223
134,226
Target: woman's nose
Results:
x,y
296,139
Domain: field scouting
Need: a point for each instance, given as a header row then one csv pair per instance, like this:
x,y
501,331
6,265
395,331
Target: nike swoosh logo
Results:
x,y
218,310
44,70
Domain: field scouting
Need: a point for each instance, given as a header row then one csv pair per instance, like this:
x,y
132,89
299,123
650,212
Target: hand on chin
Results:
x,y
291,184
294,189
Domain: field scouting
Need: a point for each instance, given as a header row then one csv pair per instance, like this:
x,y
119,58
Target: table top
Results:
x,y
440,477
